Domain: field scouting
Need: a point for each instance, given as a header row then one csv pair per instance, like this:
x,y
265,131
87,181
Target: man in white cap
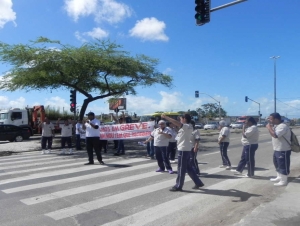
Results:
x,y
92,133
223,141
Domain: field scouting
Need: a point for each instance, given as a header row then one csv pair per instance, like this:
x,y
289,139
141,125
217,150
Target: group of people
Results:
x,y
171,135
92,136
187,139
281,142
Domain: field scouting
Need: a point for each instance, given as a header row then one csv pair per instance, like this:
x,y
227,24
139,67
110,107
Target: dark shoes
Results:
x,y
89,163
101,162
197,187
116,154
175,189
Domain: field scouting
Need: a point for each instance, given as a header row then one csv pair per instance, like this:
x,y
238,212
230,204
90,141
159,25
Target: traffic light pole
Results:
x,y
197,95
227,5
259,117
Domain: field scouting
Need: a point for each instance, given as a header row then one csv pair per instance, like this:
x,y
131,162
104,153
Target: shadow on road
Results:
x,y
240,195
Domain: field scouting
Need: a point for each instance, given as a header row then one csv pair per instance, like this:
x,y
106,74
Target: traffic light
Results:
x,y
72,100
246,99
202,9
196,94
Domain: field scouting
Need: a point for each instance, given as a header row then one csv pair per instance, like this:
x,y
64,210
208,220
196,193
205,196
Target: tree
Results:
x,y
100,67
211,111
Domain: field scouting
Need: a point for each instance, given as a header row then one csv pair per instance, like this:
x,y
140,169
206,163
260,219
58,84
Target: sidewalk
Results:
x,y
283,211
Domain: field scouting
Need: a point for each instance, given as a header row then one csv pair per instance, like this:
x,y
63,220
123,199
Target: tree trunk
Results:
x,y
84,107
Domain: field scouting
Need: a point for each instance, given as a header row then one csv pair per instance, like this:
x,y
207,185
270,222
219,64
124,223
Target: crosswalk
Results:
x,y
122,192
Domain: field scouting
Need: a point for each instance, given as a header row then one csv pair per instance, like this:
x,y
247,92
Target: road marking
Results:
x,y
27,161
87,188
50,161
65,171
99,203
78,178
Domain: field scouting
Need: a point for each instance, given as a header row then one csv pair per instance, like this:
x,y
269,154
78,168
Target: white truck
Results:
x,y
27,118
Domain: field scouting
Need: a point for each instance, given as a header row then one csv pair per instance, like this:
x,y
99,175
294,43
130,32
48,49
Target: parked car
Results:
x,y
237,125
199,126
262,124
13,133
210,126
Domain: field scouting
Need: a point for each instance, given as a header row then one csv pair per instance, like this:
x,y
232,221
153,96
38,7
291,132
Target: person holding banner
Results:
x,y
121,148
161,136
184,146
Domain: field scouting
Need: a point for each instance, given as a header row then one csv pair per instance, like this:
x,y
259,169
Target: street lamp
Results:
x,y
274,58
215,100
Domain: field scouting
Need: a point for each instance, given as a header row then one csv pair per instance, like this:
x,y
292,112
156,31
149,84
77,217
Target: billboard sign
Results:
x,y
117,103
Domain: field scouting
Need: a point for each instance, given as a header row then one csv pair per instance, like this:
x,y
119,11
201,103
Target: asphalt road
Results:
x,y
59,190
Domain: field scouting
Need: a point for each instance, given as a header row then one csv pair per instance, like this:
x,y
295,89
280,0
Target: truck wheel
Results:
x,y
19,138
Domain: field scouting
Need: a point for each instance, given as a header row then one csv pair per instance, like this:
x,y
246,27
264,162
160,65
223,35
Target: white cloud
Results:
x,y
149,29
112,11
6,13
77,8
6,103
96,33
109,11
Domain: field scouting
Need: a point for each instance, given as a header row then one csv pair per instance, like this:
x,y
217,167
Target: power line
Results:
x,y
288,105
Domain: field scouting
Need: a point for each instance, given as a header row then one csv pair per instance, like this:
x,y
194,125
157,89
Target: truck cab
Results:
x,y
15,117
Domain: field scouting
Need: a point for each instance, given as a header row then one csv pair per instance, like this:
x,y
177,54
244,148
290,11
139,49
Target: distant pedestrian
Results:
x,y
161,136
92,128
249,140
79,131
121,147
223,141
103,144
195,139
171,153
184,146
280,134
66,135
47,136
150,144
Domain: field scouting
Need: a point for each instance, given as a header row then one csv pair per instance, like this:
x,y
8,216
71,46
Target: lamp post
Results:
x,y
217,102
274,58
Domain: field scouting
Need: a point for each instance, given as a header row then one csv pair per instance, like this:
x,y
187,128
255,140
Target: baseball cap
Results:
x,y
90,113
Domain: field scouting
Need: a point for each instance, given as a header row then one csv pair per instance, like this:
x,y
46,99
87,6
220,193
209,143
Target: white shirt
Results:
x,y
195,136
251,134
184,138
225,131
161,140
279,143
78,128
66,130
47,129
174,134
90,131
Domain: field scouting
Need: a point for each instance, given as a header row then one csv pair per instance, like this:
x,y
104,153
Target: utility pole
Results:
x,y
259,115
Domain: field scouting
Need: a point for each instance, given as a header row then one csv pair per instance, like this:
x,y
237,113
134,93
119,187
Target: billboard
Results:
x,y
117,103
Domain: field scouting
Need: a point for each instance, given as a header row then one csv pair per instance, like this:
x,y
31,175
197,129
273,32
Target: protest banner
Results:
x,y
126,131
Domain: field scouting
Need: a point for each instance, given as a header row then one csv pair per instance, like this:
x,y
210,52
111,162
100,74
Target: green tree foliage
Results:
x,y
210,111
101,67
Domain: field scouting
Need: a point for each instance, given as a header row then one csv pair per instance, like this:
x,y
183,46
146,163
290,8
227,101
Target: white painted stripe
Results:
x,y
162,210
40,169
24,157
62,172
50,161
87,188
78,178
99,203
156,213
30,160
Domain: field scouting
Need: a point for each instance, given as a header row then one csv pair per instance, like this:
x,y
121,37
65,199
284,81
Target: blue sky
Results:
x,y
228,58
